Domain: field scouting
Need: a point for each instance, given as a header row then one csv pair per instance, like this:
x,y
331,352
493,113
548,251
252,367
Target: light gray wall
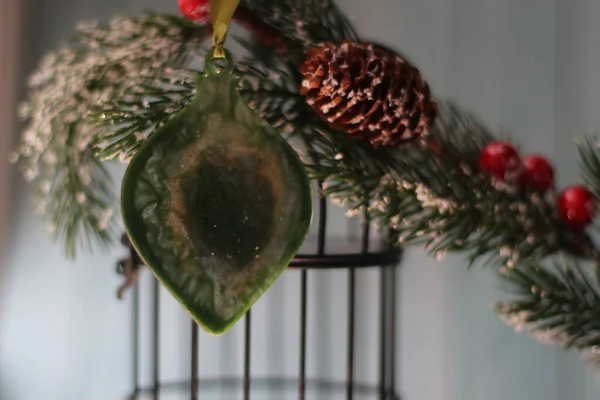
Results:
x,y
526,67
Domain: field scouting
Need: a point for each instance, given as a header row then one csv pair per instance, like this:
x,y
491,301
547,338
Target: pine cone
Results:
x,y
367,92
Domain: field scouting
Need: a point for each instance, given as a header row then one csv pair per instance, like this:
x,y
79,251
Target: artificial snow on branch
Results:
x,y
101,62
558,305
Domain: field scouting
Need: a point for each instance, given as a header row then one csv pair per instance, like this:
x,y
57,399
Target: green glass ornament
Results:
x,y
216,203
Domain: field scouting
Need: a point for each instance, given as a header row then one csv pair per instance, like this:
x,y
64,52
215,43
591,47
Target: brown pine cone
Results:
x,y
367,92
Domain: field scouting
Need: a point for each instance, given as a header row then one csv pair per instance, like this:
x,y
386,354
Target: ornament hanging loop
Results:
x,y
221,13
211,60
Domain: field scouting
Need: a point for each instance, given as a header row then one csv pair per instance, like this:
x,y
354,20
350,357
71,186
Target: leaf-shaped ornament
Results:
x,y
216,203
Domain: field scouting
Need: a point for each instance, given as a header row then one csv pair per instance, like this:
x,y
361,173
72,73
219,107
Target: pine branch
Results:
x,y
129,77
303,24
269,82
589,152
432,193
560,306
95,67
127,121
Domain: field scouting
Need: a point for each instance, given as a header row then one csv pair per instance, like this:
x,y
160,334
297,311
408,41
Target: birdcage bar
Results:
x,y
302,372
382,330
156,338
350,349
392,331
194,363
247,343
135,338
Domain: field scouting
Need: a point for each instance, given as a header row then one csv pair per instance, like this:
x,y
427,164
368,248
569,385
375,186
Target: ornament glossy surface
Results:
x,y
217,204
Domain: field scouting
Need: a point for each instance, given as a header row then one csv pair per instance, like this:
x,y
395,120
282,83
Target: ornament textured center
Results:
x,y
229,209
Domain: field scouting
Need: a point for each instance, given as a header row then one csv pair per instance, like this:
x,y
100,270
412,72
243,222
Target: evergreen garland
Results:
x,y
99,96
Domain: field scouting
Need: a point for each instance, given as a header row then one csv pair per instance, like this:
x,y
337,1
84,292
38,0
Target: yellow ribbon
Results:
x,y
221,13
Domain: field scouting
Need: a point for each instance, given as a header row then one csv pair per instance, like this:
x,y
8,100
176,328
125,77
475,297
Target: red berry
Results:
x,y
195,10
499,159
536,173
576,206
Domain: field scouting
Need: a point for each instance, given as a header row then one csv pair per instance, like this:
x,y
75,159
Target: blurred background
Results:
x,y
527,68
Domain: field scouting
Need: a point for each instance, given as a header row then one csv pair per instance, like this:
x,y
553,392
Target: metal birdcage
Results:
x,y
386,258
